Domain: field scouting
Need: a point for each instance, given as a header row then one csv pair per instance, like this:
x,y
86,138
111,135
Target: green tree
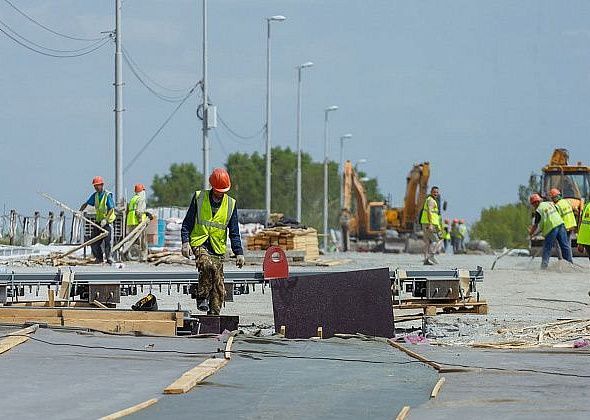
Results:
x,y
503,226
524,191
177,187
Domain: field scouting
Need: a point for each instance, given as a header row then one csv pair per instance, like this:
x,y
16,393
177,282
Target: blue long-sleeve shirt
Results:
x,y
234,229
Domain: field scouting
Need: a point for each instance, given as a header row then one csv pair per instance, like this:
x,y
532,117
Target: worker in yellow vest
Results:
x,y
431,225
211,215
104,205
446,235
549,223
137,213
565,211
584,231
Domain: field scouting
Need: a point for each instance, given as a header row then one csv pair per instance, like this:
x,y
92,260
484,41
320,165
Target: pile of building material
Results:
x,y
290,239
172,235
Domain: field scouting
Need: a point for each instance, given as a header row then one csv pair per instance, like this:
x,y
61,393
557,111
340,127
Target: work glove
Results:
x,y
186,250
103,222
240,261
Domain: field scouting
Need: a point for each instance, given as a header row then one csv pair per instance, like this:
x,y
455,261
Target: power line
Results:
x,y
235,133
22,44
47,48
161,96
223,149
159,130
47,28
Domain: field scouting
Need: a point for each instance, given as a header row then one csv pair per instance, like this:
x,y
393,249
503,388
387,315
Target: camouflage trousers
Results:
x,y
211,287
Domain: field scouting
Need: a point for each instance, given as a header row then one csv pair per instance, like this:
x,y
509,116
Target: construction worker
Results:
x,y
550,224
430,221
446,234
462,234
104,205
584,231
565,211
211,214
455,236
136,213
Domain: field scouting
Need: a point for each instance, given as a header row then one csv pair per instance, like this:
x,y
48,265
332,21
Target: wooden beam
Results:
x,y
130,410
120,314
230,341
437,387
16,337
194,376
119,326
413,354
51,298
403,413
99,305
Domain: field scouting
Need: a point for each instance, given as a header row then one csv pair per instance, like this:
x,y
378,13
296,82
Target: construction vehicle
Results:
x,y
380,226
572,180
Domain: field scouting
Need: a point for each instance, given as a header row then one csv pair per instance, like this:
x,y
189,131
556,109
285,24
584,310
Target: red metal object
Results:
x,y
275,265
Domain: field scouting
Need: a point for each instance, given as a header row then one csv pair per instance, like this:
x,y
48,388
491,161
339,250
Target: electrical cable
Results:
x,y
47,28
159,130
93,44
147,76
49,54
223,149
232,131
160,96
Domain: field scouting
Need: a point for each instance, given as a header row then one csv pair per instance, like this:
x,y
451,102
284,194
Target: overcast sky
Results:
x,y
483,90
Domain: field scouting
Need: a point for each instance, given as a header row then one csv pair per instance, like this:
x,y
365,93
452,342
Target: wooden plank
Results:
x,y
416,305
9,312
51,298
49,320
403,413
13,341
147,327
437,387
179,319
228,345
119,314
413,354
193,377
99,305
130,410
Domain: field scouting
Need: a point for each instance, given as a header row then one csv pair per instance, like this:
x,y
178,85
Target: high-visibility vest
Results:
x,y
462,230
434,214
584,230
550,218
209,226
567,213
102,209
446,232
132,219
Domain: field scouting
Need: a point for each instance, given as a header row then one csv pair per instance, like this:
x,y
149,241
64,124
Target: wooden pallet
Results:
x,y
432,308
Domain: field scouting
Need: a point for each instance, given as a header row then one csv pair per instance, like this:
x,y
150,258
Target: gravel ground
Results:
x,y
518,292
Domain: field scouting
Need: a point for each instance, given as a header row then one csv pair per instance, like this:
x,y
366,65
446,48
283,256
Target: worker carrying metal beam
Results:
x,y
103,203
431,226
549,223
211,214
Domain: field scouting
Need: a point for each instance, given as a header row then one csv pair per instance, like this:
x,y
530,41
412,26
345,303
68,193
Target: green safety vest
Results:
x,y
567,213
446,232
209,226
584,230
102,209
550,218
462,230
132,219
434,214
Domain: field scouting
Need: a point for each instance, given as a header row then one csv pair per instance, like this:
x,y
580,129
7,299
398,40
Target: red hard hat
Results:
x,y
463,221
139,188
554,192
97,180
455,220
535,198
219,180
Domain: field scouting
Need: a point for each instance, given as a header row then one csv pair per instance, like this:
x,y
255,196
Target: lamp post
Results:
x,y
299,68
326,112
269,20
342,138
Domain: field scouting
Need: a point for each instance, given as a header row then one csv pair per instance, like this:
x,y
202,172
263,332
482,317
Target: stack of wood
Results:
x,y
290,239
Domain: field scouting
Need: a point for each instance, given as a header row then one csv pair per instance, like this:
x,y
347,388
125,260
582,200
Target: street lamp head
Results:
x,y
331,108
361,161
304,65
346,136
277,18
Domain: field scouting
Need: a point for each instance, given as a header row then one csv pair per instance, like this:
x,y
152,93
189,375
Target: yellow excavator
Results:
x,y
375,226
572,180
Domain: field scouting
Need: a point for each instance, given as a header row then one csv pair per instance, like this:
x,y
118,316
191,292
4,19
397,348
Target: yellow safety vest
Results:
x,y
446,232
209,226
584,230
434,214
102,209
567,213
132,219
550,217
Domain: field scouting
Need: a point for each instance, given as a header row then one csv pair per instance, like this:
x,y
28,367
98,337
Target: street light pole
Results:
x,y
342,138
299,68
268,122
326,112
205,104
118,107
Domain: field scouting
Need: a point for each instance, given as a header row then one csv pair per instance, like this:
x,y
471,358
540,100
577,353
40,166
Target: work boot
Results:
x,y
434,260
203,305
428,262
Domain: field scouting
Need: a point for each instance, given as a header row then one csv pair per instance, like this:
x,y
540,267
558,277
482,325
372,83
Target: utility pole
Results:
x,y
205,105
118,108
299,68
